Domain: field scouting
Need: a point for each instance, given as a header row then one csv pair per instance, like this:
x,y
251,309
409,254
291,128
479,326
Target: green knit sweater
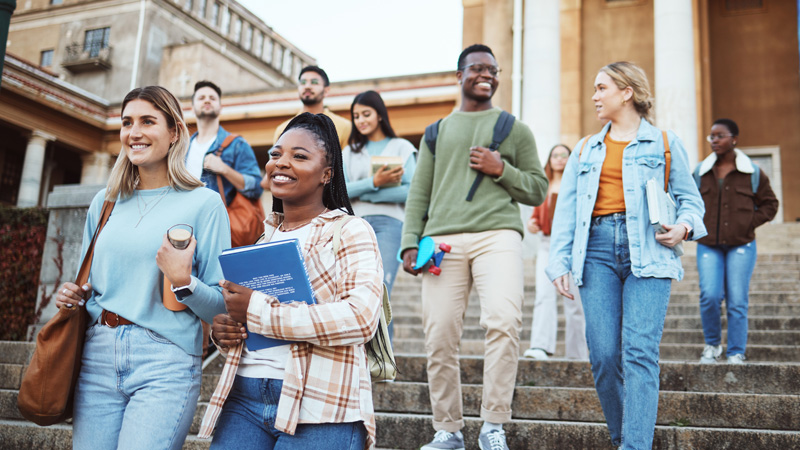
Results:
x,y
440,185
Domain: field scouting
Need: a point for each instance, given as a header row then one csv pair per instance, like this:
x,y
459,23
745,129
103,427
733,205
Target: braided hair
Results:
x,y
334,195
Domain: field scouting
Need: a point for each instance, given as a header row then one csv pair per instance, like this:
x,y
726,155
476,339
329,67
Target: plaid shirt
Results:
x,y
326,378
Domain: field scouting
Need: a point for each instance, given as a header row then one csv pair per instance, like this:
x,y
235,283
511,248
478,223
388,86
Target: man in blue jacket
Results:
x,y
237,164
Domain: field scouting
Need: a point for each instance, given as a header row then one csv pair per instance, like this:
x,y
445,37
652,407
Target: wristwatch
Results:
x,y
184,291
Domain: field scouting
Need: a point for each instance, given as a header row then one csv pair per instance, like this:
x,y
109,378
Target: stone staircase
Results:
x,y
753,406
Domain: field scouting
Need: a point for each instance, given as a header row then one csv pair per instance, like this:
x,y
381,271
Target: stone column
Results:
x,y
31,182
497,22
96,168
675,84
541,69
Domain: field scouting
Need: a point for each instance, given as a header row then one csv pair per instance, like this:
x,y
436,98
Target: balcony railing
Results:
x,y
83,58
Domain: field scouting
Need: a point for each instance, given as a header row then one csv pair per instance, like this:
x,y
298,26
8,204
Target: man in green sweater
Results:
x,y
486,238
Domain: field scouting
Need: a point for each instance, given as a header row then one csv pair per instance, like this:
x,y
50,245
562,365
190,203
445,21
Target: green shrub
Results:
x,y
22,236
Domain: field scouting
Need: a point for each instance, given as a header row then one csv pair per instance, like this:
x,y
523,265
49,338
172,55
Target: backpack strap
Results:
x,y
230,138
667,160
502,128
755,178
585,140
696,176
431,134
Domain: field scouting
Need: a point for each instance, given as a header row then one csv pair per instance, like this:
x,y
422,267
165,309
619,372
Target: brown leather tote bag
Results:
x,y
246,216
46,394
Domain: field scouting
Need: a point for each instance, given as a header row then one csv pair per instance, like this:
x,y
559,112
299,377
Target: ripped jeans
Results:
x,y
725,272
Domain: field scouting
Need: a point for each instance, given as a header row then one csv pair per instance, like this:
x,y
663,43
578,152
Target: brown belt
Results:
x,y
113,320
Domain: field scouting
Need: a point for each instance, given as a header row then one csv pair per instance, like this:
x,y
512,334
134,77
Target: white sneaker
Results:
x,y
736,359
536,353
710,354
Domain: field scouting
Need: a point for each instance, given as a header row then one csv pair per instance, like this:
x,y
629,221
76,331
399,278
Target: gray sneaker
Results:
x,y
444,440
710,354
493,440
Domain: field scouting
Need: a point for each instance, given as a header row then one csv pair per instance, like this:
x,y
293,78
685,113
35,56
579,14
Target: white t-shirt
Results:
x,y
271,362
197,152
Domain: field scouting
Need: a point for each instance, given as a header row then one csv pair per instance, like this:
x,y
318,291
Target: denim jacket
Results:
x,y
642,159
239,155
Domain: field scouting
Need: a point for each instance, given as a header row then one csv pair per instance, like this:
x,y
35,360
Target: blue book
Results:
x,y
274,268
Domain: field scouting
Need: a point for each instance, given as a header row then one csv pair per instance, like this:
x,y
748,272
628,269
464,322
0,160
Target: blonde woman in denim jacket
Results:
x,y
602,234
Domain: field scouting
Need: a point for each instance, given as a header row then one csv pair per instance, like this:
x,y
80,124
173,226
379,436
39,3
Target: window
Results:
x,y
237,30
287,63
226,22
188,5
96,40
259,45
201,9
214,19
267,52
56,2
277,56
248,37
46,59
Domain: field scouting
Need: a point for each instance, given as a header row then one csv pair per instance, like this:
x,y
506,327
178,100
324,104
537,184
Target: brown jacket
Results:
x,y
734,212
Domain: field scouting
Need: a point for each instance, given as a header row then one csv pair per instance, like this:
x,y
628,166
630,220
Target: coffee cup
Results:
x,y
180,235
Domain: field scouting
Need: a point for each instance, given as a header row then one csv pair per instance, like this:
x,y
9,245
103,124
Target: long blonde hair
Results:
x,y
627,74
125,175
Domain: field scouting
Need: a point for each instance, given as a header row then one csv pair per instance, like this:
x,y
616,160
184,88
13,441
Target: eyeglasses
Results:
x,y
479,68
712,137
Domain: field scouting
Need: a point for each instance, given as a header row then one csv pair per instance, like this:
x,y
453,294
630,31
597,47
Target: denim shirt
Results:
x,y
642,159
239,156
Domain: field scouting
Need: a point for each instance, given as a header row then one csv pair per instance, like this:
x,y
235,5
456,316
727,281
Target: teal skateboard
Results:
x,y
427,253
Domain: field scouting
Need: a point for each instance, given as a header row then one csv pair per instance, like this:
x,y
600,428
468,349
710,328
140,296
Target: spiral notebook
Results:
x,y
274,268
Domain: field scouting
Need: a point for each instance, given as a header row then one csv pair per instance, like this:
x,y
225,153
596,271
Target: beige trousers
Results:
x,y
492,261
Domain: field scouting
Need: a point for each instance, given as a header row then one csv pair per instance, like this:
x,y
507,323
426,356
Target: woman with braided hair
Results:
x,y
314,392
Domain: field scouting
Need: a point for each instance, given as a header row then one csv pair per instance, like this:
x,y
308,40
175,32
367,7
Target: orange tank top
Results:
x,y
610,195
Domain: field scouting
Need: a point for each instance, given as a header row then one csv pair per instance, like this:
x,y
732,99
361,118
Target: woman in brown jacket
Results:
x,y
738,198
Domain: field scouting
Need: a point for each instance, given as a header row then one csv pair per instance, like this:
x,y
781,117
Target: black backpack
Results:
x,y
502,128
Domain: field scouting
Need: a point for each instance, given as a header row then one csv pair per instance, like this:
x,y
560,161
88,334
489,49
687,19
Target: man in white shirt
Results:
x,y
237,164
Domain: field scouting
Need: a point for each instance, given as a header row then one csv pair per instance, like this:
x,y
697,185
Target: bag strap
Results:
x,y
585,140
755,178
667,160
431,134
86,265
230,138
502,128
337,244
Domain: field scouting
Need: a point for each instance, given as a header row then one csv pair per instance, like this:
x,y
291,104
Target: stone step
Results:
x,y
674,309
672,322
688,297
393,429
774,412
18,434
677,287
671,336
750,378
16,352
10,375
669,352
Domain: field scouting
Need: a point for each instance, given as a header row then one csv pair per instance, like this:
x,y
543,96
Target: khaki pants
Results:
x,y
492,260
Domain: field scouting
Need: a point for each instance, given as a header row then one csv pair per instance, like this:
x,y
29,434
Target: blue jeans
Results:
x,y
624,322
136,390
388,230
248,422
725,272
